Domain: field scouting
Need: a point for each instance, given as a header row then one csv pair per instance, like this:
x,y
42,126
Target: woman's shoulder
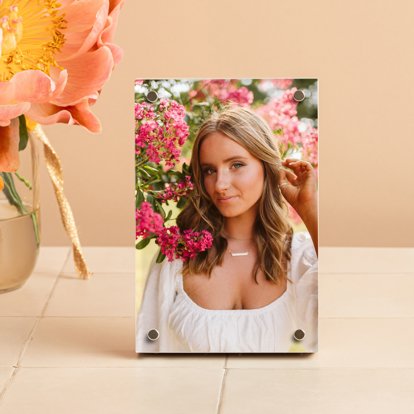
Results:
x,y
302,244
166,270
303,254
166,265
162,278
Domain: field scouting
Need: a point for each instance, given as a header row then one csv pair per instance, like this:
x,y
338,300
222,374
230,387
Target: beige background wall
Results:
x,y
363,55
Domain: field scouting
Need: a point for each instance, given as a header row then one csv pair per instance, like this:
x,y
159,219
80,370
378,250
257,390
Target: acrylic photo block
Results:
x,y
226,215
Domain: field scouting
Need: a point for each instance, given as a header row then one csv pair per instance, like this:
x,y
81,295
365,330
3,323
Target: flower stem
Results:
x,y
23,180
15,200
143,162
11,193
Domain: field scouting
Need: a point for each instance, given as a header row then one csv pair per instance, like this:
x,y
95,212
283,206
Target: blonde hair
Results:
x,y
273,233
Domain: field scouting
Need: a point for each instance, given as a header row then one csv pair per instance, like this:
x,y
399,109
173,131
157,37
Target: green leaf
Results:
x,y
150,169
159,209
140,198
181,202
168,215
142,171
158,186
24,136
151,200
160,257
143,243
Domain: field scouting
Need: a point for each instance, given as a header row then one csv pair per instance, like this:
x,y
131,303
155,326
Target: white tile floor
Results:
x,y
67,345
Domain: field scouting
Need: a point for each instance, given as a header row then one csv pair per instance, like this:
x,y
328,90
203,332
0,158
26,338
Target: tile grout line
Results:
x,y
39,317
29,337
42,313
72,272
245,368
324,368
221,392
8,384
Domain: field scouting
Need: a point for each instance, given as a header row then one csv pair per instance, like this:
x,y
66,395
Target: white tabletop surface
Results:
x,y
67,345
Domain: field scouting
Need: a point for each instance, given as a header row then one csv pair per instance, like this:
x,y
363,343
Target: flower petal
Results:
x,y
87,75
85,117
26,87
85,21
32,86
117,52
9,147
8,112
79,114
108,33
47,114
60,77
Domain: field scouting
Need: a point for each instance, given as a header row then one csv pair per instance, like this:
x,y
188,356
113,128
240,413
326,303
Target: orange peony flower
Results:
x,y
55,58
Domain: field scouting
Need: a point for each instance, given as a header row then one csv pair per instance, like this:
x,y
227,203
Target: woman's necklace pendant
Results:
x,y
234,254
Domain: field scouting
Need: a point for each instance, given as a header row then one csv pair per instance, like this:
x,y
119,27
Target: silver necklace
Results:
x,y
236,254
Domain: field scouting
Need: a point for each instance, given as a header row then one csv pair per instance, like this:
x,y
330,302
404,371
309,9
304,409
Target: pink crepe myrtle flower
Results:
x,y
147,221
282,83
174,115
185,245
174,191
148,133
281,114
266,85
144,110
160,133
44,58
195,242
168,240
226,91
241,96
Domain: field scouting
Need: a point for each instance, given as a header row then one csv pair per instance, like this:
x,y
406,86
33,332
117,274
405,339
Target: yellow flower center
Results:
x,y
30,35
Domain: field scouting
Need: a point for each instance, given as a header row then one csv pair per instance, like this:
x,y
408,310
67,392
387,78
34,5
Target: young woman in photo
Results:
x,y
255,289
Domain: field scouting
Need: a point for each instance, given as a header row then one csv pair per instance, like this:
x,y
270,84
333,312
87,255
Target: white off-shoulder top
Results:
x,y
184,326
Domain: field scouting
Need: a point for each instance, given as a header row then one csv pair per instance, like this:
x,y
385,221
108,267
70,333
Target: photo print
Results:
x,y
226,207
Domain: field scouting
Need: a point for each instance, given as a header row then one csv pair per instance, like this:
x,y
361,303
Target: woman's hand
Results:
x,y
298,186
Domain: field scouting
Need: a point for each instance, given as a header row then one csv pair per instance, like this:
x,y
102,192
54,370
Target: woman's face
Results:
x,y
233,178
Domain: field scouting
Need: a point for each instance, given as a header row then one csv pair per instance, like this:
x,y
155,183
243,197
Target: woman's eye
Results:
x,y
208,171
237,165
